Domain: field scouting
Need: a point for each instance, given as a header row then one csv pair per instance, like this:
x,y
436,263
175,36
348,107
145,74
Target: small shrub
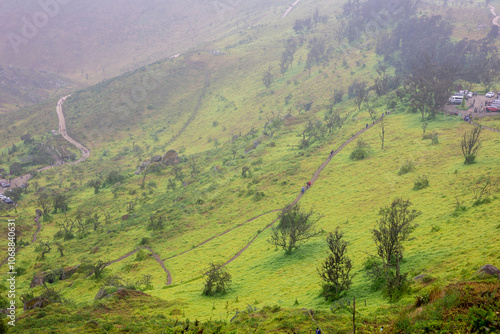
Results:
x,y
144,241
406,168
258,196
141,255
360,151
420,183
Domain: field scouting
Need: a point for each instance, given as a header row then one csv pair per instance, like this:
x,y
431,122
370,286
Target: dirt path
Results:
x,y
35,236
219,235
16,182
495,19
314,178
156,256
290,8
195,112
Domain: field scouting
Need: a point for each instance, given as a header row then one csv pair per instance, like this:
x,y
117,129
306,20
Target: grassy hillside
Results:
x,y
216,112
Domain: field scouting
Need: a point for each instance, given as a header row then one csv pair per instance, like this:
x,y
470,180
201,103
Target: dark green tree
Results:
x,y
394,228
335,270
217,280
295,227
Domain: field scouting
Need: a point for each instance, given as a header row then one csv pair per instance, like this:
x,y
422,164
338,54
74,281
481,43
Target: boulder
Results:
x,y
488,270
256,143
34,303
156,158
144,164
68,271
105,292
48,276
171,158
419,277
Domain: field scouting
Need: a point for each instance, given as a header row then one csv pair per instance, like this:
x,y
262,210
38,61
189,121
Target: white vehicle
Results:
x,y
470,94
456,99
490,94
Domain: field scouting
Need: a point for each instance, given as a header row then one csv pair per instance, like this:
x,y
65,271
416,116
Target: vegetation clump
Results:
x,y
217,280
335,270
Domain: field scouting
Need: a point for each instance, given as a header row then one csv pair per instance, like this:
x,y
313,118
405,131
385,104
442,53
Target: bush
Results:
x,y
421,182
217,280
360,151
406,168
433,136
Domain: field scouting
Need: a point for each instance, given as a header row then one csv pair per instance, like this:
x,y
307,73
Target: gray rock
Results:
x,y
171,158
156,158
488,270
105,291
419,277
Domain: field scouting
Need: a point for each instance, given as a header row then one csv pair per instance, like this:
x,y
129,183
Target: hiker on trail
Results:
x,y
318,331
309,184
303,190
331,153
366,124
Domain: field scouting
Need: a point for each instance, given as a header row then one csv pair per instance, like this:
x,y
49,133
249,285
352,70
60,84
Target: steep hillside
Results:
x,y
21,87
253,116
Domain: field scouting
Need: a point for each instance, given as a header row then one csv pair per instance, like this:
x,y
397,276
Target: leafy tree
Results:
x,y
96,184
267,77
16,169
294,229
45,248
470,144
95,268
394,228
335,270
60,202
360,151
44,199
114,177
429,84
156,222
217,280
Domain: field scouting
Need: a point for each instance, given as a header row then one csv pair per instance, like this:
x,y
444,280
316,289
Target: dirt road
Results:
x,y
16,182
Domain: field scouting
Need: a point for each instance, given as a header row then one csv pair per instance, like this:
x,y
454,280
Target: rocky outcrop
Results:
x,y
171,158
105,292
34,303
49,276
488,270
156,158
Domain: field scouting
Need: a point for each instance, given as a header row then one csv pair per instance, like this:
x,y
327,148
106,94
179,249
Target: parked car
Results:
x,y
470,94
5,184
456,99
492,109
2,197
8,201
490,94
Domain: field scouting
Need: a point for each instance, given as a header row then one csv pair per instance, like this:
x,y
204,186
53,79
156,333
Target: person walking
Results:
x,y
318,331
303,190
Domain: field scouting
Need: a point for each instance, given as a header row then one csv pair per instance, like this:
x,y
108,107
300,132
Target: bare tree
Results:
x,y
267,77
470,144
382,132
294,229
45,249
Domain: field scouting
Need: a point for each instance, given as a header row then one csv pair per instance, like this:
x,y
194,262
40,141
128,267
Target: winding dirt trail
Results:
x,y
313,179
156,256
35,236
221,234
290,8
495,19
16,182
